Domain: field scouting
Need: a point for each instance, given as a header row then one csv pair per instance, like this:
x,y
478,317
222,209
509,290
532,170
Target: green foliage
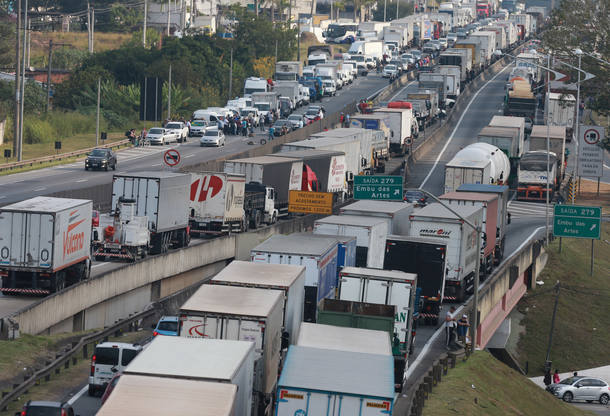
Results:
x,y
584,24
37,130
7,44
152,38
66,58
405,9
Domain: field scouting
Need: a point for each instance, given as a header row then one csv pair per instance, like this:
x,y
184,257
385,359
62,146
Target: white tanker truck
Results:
x,y
477,163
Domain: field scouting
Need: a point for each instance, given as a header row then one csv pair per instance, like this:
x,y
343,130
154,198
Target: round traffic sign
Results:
x,y
591,136
171,157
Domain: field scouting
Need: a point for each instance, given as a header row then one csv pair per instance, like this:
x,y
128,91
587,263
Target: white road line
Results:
x,y
39,189
457,126
606,166
157,164
99,264
402,89
440,330
2,196
188,156
78,395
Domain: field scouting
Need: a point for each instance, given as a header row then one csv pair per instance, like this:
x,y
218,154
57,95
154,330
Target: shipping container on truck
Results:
x,y
459,58
557,143
517,123
286,278
424,257
400,122
319,256
385,287
396,213
501,40
290,89
364,136
430,97
240,314
437,221
323,170
507,140
155,396
561,112
226,362
44,244
474,46
163,197
280,173
490,204
346,250
453,79
315,380
487,40
288,70
370,233
503,220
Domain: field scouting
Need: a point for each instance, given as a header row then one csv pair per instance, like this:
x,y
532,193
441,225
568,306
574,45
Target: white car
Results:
x,y
296,120
161,136
108,359
390,71
179,129
212,137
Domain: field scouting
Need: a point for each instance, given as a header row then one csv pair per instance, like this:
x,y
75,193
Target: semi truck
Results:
x,y
332,337
255,84
317,54
562,108
400,121
453,75
532,175
557,144
507,140
265,102
477,163
288,71
240,314
289,89
162,197
319,256
280,173
490,204
487,42
370,235
458,57
44,245
517,123
503,219
425,257
288,279
223,203
396,213
315,380
431,100
226,362
436,221
371,48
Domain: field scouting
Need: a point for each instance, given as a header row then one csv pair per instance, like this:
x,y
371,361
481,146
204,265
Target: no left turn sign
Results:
x,y
171,157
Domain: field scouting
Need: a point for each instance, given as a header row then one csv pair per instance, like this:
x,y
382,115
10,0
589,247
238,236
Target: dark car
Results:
x,y
282,127
416,197
101,159
43,408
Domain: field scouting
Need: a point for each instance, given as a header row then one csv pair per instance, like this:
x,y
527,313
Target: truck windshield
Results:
x,y
252,90
285,76
316,61
173,126
263,106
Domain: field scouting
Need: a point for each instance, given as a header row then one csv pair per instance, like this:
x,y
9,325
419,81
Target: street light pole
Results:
x,y
477,269
548,146
577,121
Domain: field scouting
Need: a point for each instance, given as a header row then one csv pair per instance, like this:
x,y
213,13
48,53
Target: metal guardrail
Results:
x,y
69,355
32,162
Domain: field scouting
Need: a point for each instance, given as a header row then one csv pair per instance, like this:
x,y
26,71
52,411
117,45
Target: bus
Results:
x,y
341,32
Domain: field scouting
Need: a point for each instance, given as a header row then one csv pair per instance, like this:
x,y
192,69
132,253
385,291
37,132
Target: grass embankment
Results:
x,y
484,386
581,336
14,354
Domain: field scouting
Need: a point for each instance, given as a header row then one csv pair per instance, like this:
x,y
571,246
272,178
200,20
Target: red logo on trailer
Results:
x,y
209,186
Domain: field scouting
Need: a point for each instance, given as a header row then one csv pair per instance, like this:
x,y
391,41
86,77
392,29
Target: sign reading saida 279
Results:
x,y
310,202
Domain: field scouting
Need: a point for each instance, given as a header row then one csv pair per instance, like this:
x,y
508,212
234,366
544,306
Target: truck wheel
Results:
x,y
257,219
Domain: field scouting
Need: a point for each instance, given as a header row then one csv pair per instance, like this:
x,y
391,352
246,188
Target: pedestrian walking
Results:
x,y
271,132
556,378
449,325
188,125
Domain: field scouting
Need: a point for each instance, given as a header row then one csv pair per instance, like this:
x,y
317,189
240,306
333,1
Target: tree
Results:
x,y
339,7
584,24
405,8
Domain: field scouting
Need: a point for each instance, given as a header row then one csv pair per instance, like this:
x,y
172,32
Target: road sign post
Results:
x,y
591,154
578,222
388,188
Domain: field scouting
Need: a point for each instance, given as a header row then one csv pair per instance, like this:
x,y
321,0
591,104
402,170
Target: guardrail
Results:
x,y
39,160
68,356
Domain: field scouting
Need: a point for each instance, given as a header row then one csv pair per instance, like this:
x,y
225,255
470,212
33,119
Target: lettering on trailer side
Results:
x,y
285,395
382,405
73,242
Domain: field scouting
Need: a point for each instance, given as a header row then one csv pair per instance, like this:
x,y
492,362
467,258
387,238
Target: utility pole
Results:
x,y
548,147
385,7
397,7
17,110
144,26
92,29
169,94
231,76
169,5
97,116
29,40
298,39
25,25
49,75
548,348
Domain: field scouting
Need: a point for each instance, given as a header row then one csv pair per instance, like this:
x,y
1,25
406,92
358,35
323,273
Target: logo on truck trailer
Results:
x,y
440,233
209,186
73,241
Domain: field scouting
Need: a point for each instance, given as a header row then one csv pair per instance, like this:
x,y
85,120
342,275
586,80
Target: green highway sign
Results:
x,y
577,221
378,187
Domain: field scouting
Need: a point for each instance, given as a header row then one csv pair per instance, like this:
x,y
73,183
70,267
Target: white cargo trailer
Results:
x,y
316,381
217,200
288,279
331,337
396,213
44,244
454,74
370,233
163,197
349,146
561,112
213,360
241,314
437,221
317,253
386,287
400,121
143,395
517,123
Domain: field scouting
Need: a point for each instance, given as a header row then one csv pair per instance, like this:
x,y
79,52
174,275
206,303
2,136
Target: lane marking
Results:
x,y
39,189
100,264
441,329
457,126
78,395
403,88
82,180
188,156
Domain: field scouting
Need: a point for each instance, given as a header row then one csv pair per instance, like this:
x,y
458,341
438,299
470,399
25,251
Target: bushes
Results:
x,y
37,131
58,125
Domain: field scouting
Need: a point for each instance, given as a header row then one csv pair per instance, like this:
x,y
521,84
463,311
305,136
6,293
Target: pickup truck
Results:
x,y
179,129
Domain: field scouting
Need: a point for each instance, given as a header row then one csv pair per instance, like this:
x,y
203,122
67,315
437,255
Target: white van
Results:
x,y
108,359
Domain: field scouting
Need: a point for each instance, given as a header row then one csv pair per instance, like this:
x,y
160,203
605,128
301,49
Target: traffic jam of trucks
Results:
x,y
279,334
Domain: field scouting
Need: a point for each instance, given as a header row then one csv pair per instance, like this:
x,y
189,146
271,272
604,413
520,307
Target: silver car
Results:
x,y
581,388
212,137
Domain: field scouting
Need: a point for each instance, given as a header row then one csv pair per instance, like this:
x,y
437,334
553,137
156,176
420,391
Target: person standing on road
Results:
x,y
462,329
556,378
449,325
